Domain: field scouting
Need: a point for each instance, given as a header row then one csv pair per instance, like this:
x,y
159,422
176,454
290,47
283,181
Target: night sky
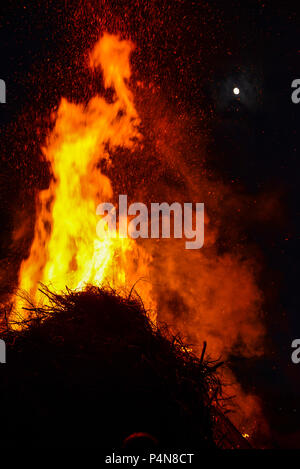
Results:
x,y
195,53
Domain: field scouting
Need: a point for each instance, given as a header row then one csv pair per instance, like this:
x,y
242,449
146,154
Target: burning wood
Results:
x,y
95,357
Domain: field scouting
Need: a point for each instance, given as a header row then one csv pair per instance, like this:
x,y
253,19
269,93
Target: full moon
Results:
x,y
236,91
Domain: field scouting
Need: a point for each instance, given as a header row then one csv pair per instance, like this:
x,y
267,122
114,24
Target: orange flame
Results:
x,y
66,250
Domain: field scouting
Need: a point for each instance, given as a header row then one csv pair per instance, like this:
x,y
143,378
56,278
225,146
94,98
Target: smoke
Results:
x,y
210,294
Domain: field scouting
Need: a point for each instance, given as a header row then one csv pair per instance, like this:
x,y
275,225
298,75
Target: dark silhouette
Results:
x,y
90,369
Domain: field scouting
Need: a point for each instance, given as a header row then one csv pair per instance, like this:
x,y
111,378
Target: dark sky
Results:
x,y
253,140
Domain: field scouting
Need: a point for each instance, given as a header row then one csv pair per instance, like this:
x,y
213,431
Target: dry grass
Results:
x,y
94,357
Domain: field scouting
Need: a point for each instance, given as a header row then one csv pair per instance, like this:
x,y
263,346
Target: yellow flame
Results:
x,y
66,250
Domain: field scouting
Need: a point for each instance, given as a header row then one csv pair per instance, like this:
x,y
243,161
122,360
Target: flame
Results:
x,y
66,250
